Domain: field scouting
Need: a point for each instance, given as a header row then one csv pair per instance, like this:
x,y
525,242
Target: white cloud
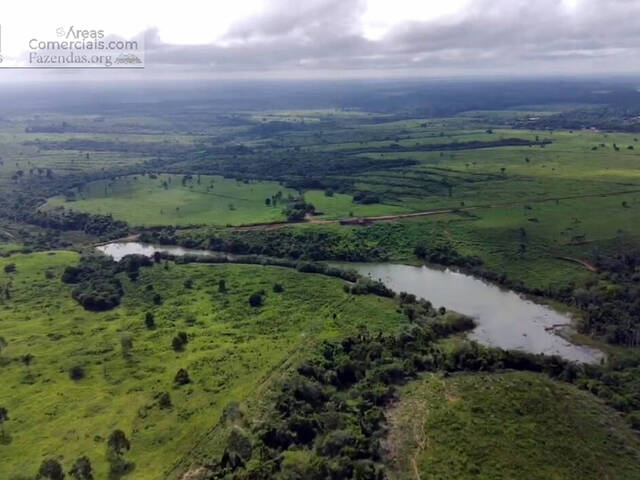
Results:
x,y
296,37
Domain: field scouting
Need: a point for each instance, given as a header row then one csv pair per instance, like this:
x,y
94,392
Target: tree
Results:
x,y
4,416
179,341
3,344
149,320
76,373
81,469
118,442
182,377
222,286
51,469
278,288
420,251
267,202
255,300
116,445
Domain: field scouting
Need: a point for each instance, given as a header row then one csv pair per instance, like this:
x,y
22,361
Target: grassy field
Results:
x,y
340,205
504,426
211,200
233,351
519,208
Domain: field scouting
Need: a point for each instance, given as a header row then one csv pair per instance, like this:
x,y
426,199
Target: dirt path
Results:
x,y
584,263
425,213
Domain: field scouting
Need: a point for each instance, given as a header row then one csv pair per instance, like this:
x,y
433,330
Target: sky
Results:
x,y
341,38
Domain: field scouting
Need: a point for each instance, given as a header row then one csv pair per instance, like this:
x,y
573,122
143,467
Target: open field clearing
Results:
x,y
172,200
500,425
233,349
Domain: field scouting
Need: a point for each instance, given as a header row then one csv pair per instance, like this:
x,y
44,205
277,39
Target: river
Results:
x,y
504,318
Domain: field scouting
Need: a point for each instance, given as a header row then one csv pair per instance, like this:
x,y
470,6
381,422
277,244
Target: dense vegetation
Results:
x,y
97,286
257,364
374,243
328,417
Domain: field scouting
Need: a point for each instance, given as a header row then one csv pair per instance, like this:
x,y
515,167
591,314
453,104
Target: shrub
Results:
x,y
255,300
76,373
51,469
164,400
149,320
182,377
81,469
179,341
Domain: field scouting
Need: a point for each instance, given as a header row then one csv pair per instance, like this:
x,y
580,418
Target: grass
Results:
x,y
341,205
503,426
233,349
211,200
10,247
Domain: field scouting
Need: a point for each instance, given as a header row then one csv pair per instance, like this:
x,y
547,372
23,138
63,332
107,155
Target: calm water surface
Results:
x,y
505,319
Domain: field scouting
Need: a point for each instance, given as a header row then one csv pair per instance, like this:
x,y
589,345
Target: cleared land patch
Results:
x,y
499,426
180,200
232,349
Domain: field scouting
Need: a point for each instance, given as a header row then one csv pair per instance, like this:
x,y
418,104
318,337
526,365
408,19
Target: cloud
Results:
x,y
501,36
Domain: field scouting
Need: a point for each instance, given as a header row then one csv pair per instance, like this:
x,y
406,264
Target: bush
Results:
x,y
278,288
76,373
149,320
255,300
82,469
164,400
51,469
179,341
182,377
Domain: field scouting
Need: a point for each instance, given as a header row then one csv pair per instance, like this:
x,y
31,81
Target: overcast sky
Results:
x,y
347,38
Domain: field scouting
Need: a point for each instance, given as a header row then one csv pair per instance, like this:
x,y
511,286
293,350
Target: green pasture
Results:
x,y
211,200
499,426
234,350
